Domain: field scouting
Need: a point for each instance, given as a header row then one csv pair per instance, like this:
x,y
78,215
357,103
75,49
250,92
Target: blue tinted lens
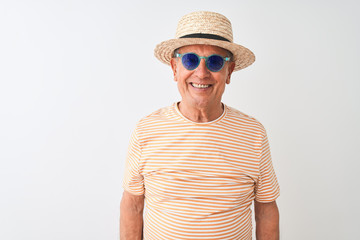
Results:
x,y
190,61
215,63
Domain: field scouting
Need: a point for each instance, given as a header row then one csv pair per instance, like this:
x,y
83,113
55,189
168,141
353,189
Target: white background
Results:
x,y
76,76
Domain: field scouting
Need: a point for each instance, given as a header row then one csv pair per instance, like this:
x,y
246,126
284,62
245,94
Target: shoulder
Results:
x,y
160,116
236,116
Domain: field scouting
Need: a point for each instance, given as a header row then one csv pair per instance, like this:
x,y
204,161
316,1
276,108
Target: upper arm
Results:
x,y
132,202
266,211
267,221
131,216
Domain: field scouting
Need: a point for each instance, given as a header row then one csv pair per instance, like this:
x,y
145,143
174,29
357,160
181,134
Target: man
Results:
x,y
199,164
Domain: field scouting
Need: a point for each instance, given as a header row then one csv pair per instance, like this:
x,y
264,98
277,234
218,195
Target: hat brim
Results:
x,y
242,56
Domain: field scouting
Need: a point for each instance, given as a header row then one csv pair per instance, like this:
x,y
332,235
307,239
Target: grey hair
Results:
x,y
175,52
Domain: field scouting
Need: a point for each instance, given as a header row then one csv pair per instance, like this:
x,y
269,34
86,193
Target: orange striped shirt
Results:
x,y
199,179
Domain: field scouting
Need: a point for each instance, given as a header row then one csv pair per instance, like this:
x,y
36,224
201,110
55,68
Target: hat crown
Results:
x,y
204,23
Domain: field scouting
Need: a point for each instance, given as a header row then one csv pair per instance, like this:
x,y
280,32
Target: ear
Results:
x,y
173,64
231,70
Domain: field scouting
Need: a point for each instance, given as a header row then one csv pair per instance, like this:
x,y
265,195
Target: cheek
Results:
x,y
183,76
222,86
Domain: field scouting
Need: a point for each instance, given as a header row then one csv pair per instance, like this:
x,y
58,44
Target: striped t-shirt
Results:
x,y
199,179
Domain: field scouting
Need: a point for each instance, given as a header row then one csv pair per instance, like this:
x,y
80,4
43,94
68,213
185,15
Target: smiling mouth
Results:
x,y
200,85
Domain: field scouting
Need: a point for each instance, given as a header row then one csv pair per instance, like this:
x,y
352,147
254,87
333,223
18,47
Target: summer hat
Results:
x,y
208,28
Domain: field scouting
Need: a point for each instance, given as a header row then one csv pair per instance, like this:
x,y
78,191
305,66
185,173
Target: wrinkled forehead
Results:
x,y
203,50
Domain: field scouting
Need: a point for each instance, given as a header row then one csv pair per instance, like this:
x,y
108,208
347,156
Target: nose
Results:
x,y
202,71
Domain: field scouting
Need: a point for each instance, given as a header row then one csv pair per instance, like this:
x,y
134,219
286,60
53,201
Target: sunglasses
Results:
x,y
213,62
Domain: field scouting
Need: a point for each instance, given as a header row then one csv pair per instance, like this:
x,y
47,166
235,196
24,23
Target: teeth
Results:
x,y
200,85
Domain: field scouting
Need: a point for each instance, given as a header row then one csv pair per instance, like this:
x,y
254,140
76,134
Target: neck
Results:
x,y
201,114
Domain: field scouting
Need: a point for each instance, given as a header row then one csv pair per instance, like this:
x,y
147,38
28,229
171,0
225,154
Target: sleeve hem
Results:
x,y
133,192
268,200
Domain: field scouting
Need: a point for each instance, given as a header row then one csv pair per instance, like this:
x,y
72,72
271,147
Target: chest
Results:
x,y
210,156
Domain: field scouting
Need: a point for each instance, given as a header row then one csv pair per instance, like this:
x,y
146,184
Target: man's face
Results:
x,y
212,84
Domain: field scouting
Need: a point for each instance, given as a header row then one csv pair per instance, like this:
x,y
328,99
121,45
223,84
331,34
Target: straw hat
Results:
x,y
208,28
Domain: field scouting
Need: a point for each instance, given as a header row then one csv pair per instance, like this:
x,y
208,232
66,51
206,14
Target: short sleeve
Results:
x,y
133,181
267,187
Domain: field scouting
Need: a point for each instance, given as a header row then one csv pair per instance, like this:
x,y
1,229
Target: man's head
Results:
x,y
203,57
204,83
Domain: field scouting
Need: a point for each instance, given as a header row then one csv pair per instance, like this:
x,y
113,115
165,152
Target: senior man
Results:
x,y
199,164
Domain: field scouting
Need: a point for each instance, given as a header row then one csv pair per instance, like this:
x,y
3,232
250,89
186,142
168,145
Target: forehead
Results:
x,y
202,49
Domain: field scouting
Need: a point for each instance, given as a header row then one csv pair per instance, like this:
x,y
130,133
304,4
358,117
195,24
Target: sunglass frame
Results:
x,y
180,55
